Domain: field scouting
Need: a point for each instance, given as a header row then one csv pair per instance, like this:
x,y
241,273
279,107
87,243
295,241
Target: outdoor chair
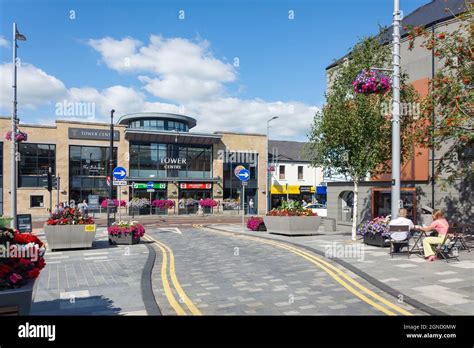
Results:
x,y
447,250
396,244
465,238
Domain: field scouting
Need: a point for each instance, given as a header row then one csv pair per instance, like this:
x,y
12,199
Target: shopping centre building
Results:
x,y
152,147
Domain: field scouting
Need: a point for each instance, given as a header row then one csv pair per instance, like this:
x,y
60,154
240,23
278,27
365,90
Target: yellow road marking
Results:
x,y
166,286
194,310
354,282
325,266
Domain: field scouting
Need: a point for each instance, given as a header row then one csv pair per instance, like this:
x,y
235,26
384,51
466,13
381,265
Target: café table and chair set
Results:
x,y
459,239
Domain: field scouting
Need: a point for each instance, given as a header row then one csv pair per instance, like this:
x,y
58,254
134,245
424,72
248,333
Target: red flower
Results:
x,y
25,238
25,262
34,273
14,278
4,270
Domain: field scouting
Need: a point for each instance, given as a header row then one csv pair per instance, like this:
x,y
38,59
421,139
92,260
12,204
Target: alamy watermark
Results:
x,y
75,109
29,251
226,156
338,250
406,109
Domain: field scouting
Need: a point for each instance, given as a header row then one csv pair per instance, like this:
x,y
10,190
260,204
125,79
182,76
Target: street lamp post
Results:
x,y
395,204
110,203
267,184
16,36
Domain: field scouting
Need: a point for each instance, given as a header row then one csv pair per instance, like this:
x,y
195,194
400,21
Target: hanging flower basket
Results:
x,y
20,136
371,82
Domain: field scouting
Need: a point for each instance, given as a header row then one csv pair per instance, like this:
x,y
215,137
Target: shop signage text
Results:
x,y
173,163
92,134
156,185
195,186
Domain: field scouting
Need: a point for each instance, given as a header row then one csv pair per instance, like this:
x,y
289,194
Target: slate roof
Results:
x,y
427,15
286,151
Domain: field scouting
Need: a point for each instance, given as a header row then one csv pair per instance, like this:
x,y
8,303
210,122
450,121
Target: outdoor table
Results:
x,y
417,247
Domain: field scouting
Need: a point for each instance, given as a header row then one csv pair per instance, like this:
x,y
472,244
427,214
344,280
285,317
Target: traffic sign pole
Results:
x,y
243,206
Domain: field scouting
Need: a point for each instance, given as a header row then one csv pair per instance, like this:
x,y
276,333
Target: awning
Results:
x,y
321,190
292,189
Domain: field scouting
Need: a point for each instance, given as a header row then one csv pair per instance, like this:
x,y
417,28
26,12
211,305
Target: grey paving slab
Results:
x,y
79,285
412,276
259,279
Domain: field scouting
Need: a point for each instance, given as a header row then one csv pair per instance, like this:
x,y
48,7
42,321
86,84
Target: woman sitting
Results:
x,y
439,225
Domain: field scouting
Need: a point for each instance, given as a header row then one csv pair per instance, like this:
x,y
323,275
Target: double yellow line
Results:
x,y
183,298
337,274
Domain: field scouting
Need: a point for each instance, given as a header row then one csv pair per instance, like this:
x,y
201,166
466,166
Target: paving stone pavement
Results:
x,y
104,280
446,286
223,275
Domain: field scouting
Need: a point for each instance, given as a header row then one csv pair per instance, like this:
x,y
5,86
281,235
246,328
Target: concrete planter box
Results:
x,y
121,239
376,240
18,301
69,236
292,225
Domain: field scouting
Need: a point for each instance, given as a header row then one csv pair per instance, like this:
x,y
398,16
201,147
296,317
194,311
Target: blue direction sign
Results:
x,y
244,175
120,173
150,185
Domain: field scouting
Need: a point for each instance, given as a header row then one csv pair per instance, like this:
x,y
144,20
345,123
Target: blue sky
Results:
x,y
281,66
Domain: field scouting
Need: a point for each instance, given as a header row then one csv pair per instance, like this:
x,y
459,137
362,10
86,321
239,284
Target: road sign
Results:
x,y
119,173
120,182
244,183
150,190
150,184
238,169
244,175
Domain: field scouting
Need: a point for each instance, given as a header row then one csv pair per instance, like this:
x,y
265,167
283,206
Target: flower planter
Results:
x,y
376,240
18,301
123,239
69,236
292,225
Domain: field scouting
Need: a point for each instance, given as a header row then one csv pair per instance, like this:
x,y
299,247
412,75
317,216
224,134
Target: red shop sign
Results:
x,y
195,186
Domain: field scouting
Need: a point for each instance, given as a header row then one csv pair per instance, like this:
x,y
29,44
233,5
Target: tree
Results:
x,y
351,135
450,96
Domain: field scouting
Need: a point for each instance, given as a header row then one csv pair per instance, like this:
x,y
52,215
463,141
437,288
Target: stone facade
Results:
x,y
58,135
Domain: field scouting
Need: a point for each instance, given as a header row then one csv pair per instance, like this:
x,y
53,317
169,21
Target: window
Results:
x,y
282,172
35,159
146,161
88,168
36,201
300,172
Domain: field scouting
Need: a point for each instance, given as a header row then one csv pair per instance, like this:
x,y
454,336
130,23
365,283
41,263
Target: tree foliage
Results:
x,y
450,96
351,135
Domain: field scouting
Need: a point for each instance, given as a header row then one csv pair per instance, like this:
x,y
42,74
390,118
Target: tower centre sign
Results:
x,y
92,134
173,163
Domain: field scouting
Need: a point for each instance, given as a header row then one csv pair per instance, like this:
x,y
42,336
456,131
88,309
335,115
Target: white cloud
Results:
x,y
250,116
35,87
181,70
180,76
4,42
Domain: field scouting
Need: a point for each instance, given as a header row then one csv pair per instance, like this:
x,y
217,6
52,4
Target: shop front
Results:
x,y
141,190
189,195
280,193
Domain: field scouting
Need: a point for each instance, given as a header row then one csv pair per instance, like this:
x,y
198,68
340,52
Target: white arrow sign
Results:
x,y
171,229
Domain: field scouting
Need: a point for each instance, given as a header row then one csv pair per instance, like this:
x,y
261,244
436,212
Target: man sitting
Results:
x,y
401,220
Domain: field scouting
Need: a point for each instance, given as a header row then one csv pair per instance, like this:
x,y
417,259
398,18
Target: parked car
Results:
x,y
318,208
